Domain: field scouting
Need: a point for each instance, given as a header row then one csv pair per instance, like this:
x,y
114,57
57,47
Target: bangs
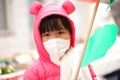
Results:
x,y
54,23
50,23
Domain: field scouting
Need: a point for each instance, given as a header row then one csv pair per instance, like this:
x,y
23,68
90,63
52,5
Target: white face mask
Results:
x,y
56,48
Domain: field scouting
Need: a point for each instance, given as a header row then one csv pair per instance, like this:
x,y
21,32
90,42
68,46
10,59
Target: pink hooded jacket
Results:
x,y
43,68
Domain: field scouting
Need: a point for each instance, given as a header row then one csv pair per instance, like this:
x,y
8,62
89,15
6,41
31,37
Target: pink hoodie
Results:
x,y
43,68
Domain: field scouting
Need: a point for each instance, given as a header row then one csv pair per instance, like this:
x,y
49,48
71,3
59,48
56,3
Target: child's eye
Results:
x,y
61,32
46,35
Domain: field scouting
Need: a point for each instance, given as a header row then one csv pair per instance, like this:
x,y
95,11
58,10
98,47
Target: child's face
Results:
x,y
63,33
56,43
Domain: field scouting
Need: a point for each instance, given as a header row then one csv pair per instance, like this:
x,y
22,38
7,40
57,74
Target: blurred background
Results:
x,y
17,44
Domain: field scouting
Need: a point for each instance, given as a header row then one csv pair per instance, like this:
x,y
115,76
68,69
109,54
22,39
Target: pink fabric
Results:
x,y
43,68
93,75
45,11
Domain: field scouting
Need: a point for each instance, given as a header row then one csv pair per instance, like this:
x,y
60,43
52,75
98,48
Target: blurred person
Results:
x,y
115,75
116,13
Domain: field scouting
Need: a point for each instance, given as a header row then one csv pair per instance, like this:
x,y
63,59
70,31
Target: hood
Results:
x,y
41,11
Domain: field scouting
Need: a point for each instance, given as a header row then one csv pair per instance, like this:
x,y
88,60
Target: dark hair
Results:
x,y
52,23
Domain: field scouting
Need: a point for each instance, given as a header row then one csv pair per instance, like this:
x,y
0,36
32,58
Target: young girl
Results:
x,y
54,35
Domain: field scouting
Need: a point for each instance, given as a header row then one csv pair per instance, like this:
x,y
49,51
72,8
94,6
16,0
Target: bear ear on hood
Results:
x,y
35,7
68,6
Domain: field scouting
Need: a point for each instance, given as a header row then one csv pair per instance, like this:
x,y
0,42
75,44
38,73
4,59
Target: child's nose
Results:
x,y
56,36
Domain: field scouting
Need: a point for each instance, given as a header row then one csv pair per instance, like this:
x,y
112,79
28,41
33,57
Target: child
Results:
x,y
54,35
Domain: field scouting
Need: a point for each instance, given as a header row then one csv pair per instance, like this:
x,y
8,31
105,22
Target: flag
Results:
x,y
99,43
110,4
88,0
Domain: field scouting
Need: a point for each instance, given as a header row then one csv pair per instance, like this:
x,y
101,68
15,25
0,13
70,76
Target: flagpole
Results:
x,y
86,40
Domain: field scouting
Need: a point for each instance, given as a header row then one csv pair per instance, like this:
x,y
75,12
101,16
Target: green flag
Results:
x,y
99,43
110,3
